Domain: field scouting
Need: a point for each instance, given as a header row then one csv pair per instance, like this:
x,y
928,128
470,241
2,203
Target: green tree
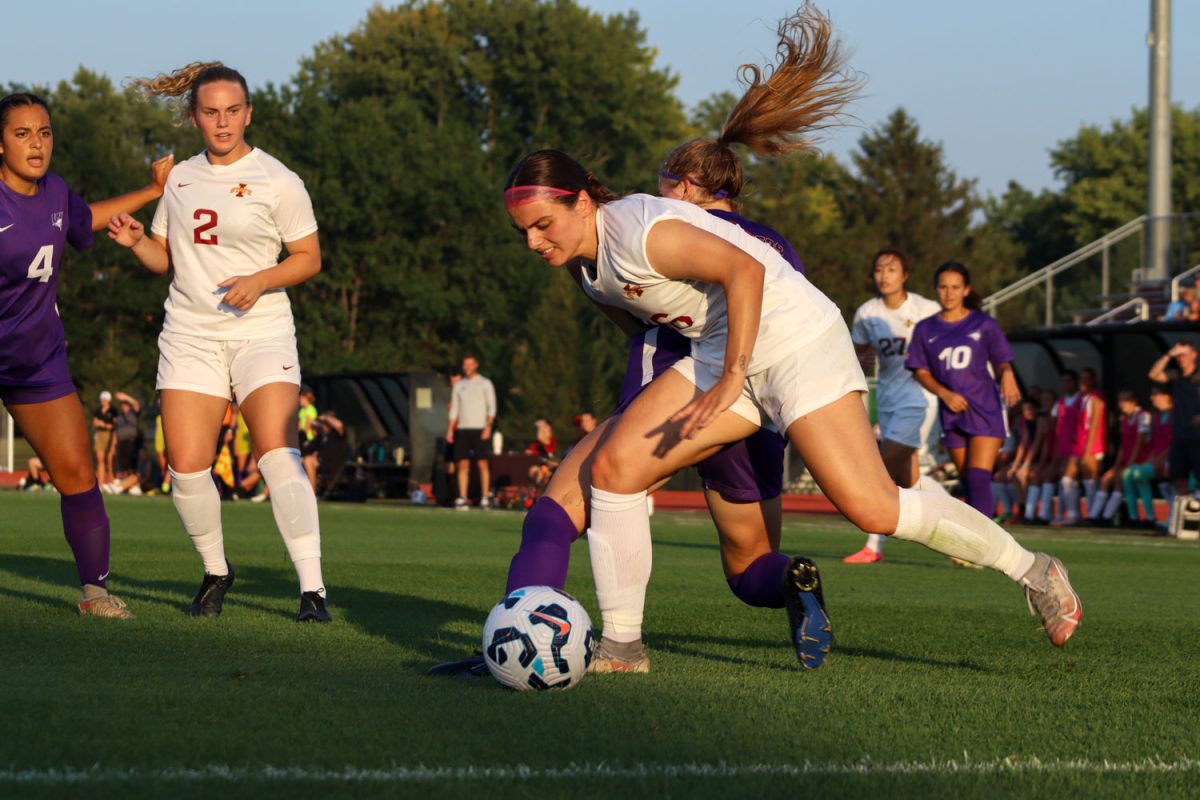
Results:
x,y
404,131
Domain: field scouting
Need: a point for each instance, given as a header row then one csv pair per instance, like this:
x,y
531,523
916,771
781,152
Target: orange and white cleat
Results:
x,y
864,556
109,606
631,658
1049,594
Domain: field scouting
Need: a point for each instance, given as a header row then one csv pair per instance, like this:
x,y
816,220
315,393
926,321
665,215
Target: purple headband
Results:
x,y
720,194
521,195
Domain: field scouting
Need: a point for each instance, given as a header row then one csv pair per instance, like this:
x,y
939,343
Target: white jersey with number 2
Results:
x,y
794,312
888,331
225,220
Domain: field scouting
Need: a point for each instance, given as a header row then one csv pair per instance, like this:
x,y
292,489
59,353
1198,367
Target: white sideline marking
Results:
x,y
420,774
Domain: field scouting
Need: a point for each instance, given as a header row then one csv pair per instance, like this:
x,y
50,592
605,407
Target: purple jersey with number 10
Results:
x,y
33,233
962,357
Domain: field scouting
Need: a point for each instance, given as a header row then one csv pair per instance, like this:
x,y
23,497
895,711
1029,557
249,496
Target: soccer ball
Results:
x,y
538,638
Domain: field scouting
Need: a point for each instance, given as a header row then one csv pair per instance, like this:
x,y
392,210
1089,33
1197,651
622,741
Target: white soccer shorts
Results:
x,y
232,369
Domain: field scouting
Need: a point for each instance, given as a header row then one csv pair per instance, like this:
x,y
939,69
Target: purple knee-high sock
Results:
x,y
86,527
545,552
761,584
979,491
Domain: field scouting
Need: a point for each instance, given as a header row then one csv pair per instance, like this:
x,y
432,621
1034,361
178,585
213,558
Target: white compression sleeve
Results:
x,y
619,547
295,508
953,528
198,504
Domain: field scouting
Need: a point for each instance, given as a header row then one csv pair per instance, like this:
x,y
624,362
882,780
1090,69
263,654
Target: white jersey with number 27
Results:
x,y
888,331
225,220
794,312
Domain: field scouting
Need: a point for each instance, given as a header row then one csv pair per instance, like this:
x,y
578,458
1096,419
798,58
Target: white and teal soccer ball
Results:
x,y
538,638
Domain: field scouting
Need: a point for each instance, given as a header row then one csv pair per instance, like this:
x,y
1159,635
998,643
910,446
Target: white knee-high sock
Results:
x,y
1047,508
1095,504
619,547
1031,500
1114,502
295,508
198,503
952,528
928,484
1089,493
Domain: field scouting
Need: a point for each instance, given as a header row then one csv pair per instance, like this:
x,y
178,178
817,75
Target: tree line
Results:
x,y
404,130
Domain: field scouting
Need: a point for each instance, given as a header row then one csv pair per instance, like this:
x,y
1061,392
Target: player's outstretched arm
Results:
x,y
151,251
302,263
104,210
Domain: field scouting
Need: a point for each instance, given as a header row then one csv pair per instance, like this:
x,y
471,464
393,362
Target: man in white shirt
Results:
x,y
472,412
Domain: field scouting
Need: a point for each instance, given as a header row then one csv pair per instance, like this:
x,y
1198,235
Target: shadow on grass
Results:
x,y
422,624
695,647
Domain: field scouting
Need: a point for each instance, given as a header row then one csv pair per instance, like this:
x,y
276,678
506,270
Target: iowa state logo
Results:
x,y
241,190
632,291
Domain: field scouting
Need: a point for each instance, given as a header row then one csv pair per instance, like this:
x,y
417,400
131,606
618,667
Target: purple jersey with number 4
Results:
x,y
745,471
33,233
962,356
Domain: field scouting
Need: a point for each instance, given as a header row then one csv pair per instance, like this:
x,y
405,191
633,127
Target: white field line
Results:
x,y
422,774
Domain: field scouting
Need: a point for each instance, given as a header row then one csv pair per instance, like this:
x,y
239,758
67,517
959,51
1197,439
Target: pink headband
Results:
x,y
520,195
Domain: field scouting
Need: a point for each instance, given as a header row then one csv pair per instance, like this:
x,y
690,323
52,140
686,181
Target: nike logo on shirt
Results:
x,y
6,227
181,185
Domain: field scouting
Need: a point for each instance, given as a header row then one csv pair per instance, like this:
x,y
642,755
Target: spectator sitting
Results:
x,y
545,447
327,431
38,478
1187,307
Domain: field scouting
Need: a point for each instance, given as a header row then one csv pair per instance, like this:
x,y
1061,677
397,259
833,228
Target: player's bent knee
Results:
x,y
606,474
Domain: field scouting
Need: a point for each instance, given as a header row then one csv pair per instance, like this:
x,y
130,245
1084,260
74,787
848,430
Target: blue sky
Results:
x,y
998,84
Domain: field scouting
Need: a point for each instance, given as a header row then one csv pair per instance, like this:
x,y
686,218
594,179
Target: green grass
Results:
x,y
940,683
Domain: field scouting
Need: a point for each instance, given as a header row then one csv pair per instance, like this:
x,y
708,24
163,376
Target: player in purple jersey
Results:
x,y
39,216
955,355
743,480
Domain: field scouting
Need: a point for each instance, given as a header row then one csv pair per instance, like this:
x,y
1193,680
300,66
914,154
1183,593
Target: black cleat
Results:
x,y
208,601
313,609
473,667
812,633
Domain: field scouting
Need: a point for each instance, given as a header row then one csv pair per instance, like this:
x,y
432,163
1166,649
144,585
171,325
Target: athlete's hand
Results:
x,y
449,437
159,171
955,401
125,230
1009,389
243,290
701,412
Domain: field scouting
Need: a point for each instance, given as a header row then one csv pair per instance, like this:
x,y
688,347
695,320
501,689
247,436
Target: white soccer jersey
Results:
x,y
794,312
221,221
888,331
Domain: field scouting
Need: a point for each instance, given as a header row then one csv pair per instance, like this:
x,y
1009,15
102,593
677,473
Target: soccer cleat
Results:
x,y
313,608
473,667
812,632
864,556
485,502
605,660
1049,594
208,601
109,606
461,504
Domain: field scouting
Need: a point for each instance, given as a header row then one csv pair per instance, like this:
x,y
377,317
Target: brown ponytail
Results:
x,y
185,81
803,91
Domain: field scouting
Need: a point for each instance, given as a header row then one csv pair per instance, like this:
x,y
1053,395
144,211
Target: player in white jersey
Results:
x,y
228,333
767,348
881,330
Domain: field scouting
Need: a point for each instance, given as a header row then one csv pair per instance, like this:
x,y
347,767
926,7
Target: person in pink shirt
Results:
x,y
1136,478
1093,435
1134,429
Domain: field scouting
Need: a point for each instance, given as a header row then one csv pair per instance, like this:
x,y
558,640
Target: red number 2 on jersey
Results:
x,y
198,234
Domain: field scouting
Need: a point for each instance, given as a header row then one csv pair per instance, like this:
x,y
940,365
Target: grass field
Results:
x,y
940,683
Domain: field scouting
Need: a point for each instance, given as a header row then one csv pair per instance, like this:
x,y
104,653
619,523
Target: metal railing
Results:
x,y
1141,303
1046,274
1178,280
